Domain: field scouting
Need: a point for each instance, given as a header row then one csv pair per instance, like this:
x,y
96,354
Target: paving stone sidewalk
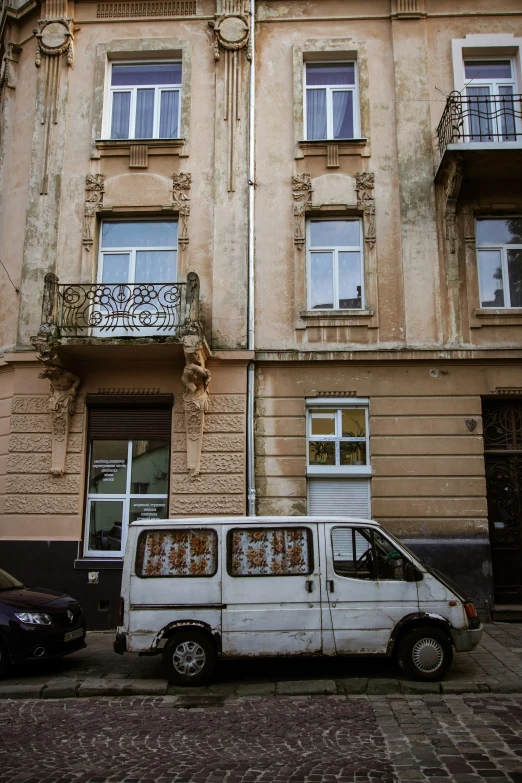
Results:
x,y
494,666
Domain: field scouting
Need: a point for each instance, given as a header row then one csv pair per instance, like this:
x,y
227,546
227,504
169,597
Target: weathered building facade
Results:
x,y
268,264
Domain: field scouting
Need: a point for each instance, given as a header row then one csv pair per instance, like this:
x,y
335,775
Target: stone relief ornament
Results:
x,y
302,194
364,184
7,75
232,33
469,224
94,190
196,379
181,201
64,386
55,37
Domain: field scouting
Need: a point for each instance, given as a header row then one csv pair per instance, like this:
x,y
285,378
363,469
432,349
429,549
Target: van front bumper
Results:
x,y
466,639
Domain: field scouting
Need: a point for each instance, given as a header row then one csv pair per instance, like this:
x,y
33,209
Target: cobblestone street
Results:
x,y
207,739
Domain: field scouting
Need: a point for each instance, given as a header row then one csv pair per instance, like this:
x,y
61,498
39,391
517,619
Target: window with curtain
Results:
x,y
499,254
492,105
331,100
270,552
335,264
145,100
174,553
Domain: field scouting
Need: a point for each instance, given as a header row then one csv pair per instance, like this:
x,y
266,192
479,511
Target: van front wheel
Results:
x,y
425,653
189,657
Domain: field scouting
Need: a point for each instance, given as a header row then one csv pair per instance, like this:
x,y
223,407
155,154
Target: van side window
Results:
x,y
171,553
270,551
361,553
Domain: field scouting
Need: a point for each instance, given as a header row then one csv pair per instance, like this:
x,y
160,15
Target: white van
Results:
x,y
198,589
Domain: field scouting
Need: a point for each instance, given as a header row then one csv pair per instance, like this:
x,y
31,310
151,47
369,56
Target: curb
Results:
x,y
67,688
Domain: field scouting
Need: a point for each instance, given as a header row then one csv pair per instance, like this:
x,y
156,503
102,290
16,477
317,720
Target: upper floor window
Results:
x,y
138,251
335,272
331,100
499,251
145,100
338,437
492,106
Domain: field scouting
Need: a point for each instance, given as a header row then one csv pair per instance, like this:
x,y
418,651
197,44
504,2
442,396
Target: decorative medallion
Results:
x,y
232,33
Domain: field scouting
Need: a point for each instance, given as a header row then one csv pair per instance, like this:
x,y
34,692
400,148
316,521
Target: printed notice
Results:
x,y
108,467
149,509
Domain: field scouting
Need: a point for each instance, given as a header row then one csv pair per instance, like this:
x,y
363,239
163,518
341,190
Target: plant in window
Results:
x,y
319,451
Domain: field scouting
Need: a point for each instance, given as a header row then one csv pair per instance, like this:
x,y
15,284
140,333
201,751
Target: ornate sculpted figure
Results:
x,y
302,192
64,385
196,379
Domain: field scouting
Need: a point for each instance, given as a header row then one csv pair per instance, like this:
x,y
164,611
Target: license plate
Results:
x,y
70,635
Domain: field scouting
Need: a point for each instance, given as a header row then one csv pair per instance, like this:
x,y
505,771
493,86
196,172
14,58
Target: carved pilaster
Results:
x,y
364,184
302,195
196,379
181,202
469,226
94,190
64,386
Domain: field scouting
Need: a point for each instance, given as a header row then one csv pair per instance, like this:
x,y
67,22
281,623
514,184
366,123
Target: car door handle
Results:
x,y
309,585
330,583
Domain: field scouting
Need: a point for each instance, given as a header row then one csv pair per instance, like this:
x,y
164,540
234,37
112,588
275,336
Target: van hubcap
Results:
x,y
427,655
188,658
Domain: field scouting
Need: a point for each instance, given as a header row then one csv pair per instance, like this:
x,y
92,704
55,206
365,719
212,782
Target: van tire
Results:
x,y
425,653
190,657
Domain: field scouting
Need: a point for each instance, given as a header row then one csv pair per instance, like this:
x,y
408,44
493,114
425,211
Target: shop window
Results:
x,y
335,264
144,100
177,553
499,252
331,105
270,552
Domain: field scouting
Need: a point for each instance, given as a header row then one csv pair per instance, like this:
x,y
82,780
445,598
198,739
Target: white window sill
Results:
x,y
336,313
338,471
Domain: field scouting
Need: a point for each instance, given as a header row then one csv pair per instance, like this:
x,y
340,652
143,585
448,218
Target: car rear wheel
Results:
x,y
425,653
190,657
4,659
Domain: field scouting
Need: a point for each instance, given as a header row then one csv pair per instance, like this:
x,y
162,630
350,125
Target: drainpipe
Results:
x,y
251,492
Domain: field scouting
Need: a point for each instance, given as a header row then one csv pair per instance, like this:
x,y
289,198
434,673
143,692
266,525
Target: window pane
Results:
x,y
352,452
342,114
149,508
321,280
108,470
140,233
156,266
353,423
177,553
321,452
316,114
270,552
154,73
350,286
499,232
150,467
335,233
352,553
322,422
514,259
481,108
120,115
490,278
506,107
169,114
390,562
334,73
144,114
105,525
115,268
487,69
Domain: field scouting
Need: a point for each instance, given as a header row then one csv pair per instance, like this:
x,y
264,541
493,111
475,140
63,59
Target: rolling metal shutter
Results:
x,y
339,497
129,417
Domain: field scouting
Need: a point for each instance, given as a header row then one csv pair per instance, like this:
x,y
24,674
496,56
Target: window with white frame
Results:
x,y
331,100
144,100
338,437
138,251
335,264
499,252
493,110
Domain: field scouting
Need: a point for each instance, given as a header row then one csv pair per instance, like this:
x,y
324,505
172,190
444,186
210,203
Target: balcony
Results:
x,y
122,314
485,132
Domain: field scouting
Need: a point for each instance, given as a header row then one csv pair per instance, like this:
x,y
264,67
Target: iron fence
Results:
x,y
480,118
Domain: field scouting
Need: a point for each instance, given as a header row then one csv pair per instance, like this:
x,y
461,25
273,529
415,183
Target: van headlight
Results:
x,y
33,618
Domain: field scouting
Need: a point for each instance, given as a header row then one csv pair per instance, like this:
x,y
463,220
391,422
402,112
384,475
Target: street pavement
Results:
x,y
495,666
215,739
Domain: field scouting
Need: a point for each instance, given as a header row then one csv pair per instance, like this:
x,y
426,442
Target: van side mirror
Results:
x,y
412,573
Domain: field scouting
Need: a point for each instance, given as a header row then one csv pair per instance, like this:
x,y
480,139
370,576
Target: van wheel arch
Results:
x,y
416,620
179,625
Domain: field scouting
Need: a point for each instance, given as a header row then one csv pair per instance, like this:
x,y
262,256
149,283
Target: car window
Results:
x,y
270,551
8,582
363,553
177,553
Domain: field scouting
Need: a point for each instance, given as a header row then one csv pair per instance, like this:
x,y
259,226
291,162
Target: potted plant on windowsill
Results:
x,y
320,449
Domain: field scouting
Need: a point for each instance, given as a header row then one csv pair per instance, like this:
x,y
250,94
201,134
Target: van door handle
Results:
x,y
330,583
309,585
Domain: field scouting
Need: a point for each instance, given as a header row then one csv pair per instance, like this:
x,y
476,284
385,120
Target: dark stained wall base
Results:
x,y
467,561
51,564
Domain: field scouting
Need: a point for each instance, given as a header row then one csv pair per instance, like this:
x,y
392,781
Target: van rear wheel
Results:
x,y
190,657
425,653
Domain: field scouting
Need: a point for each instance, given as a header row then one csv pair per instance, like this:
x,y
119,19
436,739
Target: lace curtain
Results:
x,y
177,553
272,551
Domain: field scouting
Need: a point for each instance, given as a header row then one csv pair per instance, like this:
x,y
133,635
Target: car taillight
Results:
x,y
471,613
122,609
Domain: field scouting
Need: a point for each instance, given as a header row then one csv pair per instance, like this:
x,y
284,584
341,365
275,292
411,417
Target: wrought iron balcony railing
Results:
x,y
480,118
119,309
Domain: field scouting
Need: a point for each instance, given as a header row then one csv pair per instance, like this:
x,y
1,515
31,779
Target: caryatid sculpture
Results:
x,y
196,379
64,385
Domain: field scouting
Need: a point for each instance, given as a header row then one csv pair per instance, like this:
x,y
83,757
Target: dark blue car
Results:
x,y
36,623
